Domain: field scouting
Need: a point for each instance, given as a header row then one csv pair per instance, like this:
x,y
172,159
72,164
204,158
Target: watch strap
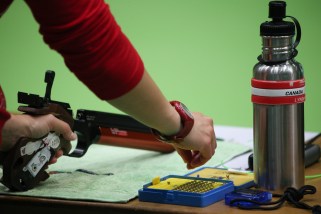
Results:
x,y
187,122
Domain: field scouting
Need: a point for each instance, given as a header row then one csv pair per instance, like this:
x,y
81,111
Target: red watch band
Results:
x,y
187,121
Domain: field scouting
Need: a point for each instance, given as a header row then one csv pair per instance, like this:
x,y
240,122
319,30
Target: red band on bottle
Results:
x,y
278,92
278,100
278,84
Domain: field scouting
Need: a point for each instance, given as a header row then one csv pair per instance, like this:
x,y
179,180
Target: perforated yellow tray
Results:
x,y
239,179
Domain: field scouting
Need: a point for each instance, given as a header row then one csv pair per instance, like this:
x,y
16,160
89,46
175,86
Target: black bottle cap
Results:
x,y
277,10
277,27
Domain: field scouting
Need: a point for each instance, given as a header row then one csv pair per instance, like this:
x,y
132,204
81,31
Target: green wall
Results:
x,y
200,52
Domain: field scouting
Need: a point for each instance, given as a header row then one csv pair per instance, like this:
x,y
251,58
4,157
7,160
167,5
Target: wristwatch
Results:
x,y
187,122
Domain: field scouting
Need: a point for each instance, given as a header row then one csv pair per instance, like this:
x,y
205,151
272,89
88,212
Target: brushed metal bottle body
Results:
x,y
278,129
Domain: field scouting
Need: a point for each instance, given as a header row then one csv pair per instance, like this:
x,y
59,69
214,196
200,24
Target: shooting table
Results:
x,y
19,204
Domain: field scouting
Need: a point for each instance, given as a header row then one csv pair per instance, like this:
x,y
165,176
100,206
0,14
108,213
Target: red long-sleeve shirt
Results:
x,y
4,115
92,44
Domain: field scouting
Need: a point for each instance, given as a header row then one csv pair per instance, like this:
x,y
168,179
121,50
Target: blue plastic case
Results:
x,y
182,197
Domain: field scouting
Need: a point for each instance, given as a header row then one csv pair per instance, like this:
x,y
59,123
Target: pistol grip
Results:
x,y
24,165
15,175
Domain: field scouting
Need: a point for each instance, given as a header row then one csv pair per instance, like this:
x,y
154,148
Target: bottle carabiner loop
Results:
x,y
298,35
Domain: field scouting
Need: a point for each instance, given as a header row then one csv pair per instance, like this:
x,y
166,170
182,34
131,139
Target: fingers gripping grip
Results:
x,y
25,164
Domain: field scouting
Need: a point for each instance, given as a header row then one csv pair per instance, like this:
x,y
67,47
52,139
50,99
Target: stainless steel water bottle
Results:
x,y
278,95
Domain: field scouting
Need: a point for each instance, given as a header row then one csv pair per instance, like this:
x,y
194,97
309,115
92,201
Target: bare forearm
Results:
x,y
147,104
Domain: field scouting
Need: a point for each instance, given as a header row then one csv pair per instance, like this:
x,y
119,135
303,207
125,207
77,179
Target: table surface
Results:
x,y
37,205
46,205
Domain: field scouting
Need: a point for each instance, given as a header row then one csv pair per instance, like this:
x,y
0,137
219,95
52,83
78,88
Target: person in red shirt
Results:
x,y
95,49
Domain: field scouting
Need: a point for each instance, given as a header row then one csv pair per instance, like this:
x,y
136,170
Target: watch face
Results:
x,y
186,110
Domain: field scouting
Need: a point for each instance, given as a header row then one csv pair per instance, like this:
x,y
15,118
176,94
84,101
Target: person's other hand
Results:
x,y
199,145
23,125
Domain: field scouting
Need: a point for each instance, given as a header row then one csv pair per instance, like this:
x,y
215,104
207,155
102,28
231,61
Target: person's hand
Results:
x,y
23,125
199,145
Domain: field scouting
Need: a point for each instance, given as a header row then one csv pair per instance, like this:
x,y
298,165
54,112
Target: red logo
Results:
x,y
118,132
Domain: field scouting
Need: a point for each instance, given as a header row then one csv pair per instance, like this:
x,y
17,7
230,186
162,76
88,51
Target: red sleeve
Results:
x,y
92,44
4,115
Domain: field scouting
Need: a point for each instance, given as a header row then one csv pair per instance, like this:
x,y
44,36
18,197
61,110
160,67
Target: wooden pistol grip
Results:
x,y
15,177
52,108
24,166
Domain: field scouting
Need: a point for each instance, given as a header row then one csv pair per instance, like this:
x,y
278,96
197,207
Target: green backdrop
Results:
x,y
200,52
